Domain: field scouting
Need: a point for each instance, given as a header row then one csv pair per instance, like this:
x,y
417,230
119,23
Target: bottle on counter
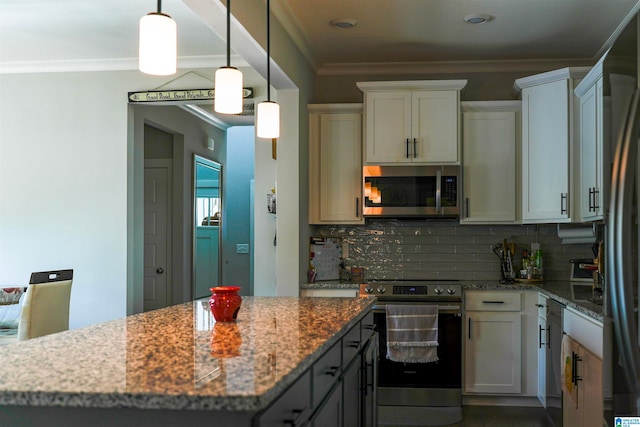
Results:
x,y
539,264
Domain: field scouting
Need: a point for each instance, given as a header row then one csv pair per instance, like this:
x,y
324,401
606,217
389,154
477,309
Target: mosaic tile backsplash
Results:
x,y
410,249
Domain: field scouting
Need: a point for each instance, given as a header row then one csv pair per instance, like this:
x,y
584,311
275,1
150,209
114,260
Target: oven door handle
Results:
x,y
442,308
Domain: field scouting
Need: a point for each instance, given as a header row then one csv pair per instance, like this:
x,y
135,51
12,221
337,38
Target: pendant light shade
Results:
x,y
268,120
227,95
157,44
268,125
228,91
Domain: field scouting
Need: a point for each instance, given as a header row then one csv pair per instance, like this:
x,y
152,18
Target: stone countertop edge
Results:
x,y
13,392
329,284
557,290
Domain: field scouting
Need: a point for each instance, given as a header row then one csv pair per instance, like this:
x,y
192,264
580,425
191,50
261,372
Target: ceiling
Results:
x,y
76,33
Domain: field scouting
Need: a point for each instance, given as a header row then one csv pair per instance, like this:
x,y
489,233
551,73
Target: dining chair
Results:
x,y
45,309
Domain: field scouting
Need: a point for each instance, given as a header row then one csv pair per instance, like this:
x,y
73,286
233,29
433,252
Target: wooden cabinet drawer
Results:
x,y
351,344
493,301
326,371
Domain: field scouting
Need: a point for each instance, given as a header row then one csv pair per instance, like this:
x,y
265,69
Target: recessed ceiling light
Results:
x,y
343,23
477,18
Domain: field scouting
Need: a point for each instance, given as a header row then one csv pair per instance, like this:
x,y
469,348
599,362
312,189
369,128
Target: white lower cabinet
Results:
x,y
493,358
543,337
585,409
501,343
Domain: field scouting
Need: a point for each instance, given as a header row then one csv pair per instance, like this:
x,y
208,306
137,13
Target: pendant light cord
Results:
x,y
268,50
228,33
159,6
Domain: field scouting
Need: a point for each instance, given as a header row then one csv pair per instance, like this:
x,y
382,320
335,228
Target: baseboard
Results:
x,y
480,400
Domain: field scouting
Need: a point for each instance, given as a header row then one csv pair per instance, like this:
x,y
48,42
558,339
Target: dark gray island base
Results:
x,y
284,359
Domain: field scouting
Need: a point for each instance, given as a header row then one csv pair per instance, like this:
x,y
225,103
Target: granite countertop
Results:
x,y
179,357
558,290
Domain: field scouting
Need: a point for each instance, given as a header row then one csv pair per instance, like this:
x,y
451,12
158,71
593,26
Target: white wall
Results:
x,y
63,184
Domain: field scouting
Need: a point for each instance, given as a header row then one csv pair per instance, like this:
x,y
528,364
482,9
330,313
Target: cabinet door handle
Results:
x,y
574,368
415,149
564,203
596,199
299,417
540,329
591,203
469,329
466,207
332,371
357,207
407,148
549,336
539,305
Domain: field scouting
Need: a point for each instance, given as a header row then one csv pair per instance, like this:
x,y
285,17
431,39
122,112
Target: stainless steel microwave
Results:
x,y
411,191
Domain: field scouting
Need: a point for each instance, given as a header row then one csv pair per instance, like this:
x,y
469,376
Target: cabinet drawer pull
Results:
x,y
354,344
492,302
299,417
370,326
332,371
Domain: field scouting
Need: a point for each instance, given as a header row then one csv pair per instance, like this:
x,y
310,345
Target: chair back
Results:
x,y
45,309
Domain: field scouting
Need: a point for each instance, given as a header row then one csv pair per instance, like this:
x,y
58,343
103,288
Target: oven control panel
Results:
x,y
422,290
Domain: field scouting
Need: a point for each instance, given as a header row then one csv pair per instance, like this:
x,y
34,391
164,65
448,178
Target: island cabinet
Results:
x,y
412,122
585,407
339,389
547,137
489,163
335,164
284,361
500,350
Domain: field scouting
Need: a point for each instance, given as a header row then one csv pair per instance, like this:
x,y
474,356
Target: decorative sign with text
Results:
x,y
180,95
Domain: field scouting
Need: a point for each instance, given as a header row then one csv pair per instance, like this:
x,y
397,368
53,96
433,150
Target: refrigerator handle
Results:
x,y
619,273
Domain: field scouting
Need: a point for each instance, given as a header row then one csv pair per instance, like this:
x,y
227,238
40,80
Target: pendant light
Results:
x,y
268,112
228,81
157,43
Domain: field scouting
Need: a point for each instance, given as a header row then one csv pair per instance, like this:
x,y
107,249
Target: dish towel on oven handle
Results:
x,y
412,333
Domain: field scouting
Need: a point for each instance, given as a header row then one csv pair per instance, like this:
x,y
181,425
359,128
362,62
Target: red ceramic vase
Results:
x,y
225,303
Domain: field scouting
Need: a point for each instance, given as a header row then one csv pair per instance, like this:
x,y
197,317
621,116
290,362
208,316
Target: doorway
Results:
x,y
207,226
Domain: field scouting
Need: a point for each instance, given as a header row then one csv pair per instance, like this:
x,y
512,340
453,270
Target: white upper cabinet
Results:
x,y
547,136
412,122
490,137
335,164
589,189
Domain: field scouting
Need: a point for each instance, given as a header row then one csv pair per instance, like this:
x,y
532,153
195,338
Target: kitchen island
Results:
x,y
174,366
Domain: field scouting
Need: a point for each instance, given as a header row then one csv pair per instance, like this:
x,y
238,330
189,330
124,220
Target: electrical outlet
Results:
x,y
242,248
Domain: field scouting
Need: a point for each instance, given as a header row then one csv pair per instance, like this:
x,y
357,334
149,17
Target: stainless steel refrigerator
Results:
x,y
621,370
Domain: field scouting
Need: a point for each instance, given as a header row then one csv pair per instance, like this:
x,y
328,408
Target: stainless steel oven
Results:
x,y
420,393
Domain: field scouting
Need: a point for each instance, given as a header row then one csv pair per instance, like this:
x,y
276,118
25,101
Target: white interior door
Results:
x,y
157,227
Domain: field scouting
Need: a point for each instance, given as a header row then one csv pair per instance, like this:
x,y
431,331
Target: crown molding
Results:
x,y
451,67
110,64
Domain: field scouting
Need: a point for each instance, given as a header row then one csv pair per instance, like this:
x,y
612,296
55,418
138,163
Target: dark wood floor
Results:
x,y
499,416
